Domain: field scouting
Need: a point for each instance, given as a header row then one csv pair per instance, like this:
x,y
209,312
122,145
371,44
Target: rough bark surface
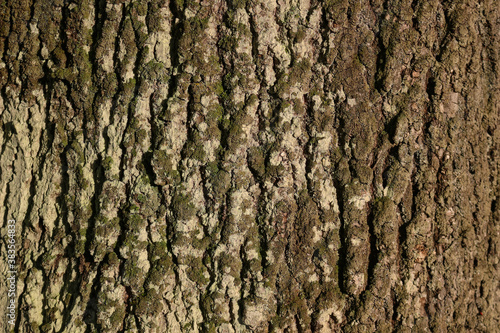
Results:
x,y
251,165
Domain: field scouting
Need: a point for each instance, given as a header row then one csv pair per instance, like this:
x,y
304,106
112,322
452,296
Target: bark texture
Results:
x,y
251,165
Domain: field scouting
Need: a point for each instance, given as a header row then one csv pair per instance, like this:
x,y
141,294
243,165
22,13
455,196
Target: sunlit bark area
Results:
x,y
251,165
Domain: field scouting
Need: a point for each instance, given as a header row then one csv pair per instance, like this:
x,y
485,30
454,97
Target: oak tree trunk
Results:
x,y
251,165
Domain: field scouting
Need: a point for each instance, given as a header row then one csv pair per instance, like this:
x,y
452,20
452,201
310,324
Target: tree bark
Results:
x,y
251,165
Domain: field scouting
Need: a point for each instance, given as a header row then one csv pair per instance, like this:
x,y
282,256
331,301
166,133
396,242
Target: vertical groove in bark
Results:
x,y
243,165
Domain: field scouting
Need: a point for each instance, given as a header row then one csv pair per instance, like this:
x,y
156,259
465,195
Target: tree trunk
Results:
x,y
250,165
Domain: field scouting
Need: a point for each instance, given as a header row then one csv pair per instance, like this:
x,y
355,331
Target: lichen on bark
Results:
x,y
251,165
